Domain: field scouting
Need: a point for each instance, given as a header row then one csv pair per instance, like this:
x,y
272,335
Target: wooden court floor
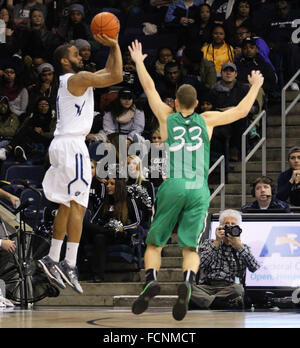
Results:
x,y
93,317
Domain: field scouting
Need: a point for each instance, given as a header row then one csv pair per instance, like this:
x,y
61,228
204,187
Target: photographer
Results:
x,y
289,181
223,264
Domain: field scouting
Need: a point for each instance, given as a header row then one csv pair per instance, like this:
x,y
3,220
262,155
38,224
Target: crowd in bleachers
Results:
x,y
212,45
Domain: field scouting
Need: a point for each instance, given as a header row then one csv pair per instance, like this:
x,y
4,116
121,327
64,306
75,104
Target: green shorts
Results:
x,y
177,204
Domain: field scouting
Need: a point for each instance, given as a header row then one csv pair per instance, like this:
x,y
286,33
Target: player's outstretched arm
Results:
x,y
112,73
159,108
217,118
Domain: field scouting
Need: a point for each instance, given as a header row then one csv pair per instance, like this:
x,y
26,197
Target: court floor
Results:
x,y
109,318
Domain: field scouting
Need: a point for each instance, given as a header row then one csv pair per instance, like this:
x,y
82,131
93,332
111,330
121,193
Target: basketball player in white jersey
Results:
x,y
67,181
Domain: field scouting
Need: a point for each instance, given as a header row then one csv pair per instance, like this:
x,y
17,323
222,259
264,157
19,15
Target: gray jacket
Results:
x,y
134,126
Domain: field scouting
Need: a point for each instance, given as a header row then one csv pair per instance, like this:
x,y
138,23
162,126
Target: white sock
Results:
x,y
55,249
71,253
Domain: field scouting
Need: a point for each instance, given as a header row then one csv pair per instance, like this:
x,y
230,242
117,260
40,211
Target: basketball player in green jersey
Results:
x,y
183,198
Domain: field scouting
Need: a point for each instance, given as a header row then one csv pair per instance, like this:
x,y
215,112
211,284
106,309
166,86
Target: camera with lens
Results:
x,y
234,231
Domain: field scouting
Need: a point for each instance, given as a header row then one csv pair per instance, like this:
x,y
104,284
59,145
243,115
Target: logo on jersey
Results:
x,y
79,108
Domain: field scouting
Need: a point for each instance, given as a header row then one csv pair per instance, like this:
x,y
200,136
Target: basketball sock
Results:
x,y
189,276
151,274
55,249
71,253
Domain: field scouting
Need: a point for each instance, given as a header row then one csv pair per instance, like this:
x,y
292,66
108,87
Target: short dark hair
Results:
x,y
171,65
186,96
61,51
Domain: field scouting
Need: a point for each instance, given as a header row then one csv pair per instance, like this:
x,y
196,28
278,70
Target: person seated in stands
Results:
x,y
36,36
218,51
284,47
252,60
174,78
123,116
75,27
114,222
46,87
227,93
136,176
35,133
222,270
288,184
199,33
84,49
157,164
9,125
180,15
194,64
12,86
21,11
263,49
241,15
165,55
262,189
130,78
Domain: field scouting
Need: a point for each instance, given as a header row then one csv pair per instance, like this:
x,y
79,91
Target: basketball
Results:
x,y
105,23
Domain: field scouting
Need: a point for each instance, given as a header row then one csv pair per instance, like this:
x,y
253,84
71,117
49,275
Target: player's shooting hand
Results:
x,y
256,78
106,40
136,51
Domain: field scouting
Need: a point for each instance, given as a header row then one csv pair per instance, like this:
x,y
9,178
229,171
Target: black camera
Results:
x,y
234,231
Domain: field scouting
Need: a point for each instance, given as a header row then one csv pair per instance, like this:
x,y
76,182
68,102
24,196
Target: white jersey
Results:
x,y
74,114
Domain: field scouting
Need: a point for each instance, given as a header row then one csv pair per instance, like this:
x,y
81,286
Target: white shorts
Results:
x,y
69,177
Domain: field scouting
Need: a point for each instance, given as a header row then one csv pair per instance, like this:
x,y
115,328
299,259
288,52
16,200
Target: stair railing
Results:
x,y
262,143
284,112
221,187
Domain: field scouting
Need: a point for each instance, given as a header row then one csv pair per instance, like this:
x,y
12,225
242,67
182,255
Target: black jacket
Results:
x,y
285,190
275,204
246,65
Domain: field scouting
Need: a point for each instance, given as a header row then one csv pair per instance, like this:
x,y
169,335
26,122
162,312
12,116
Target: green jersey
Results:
x,y
188,148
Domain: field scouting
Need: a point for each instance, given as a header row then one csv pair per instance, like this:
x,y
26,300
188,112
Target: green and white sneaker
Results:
x,y
151,290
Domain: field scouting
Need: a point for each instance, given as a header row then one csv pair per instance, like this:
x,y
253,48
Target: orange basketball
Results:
x,y
105,23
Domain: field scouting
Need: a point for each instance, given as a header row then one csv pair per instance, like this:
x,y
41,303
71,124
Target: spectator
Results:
x,y
252,60
241,15
157,160
194,64
114,222
12,86
9,124
136,176
222,270
174,78
165,55
244,32
76,27
264,192
218,51
7,48
84,49
123,116
285,53
180,15
289,181
199,33
130,79
22,11
35,37
46,87
36,132
227,93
